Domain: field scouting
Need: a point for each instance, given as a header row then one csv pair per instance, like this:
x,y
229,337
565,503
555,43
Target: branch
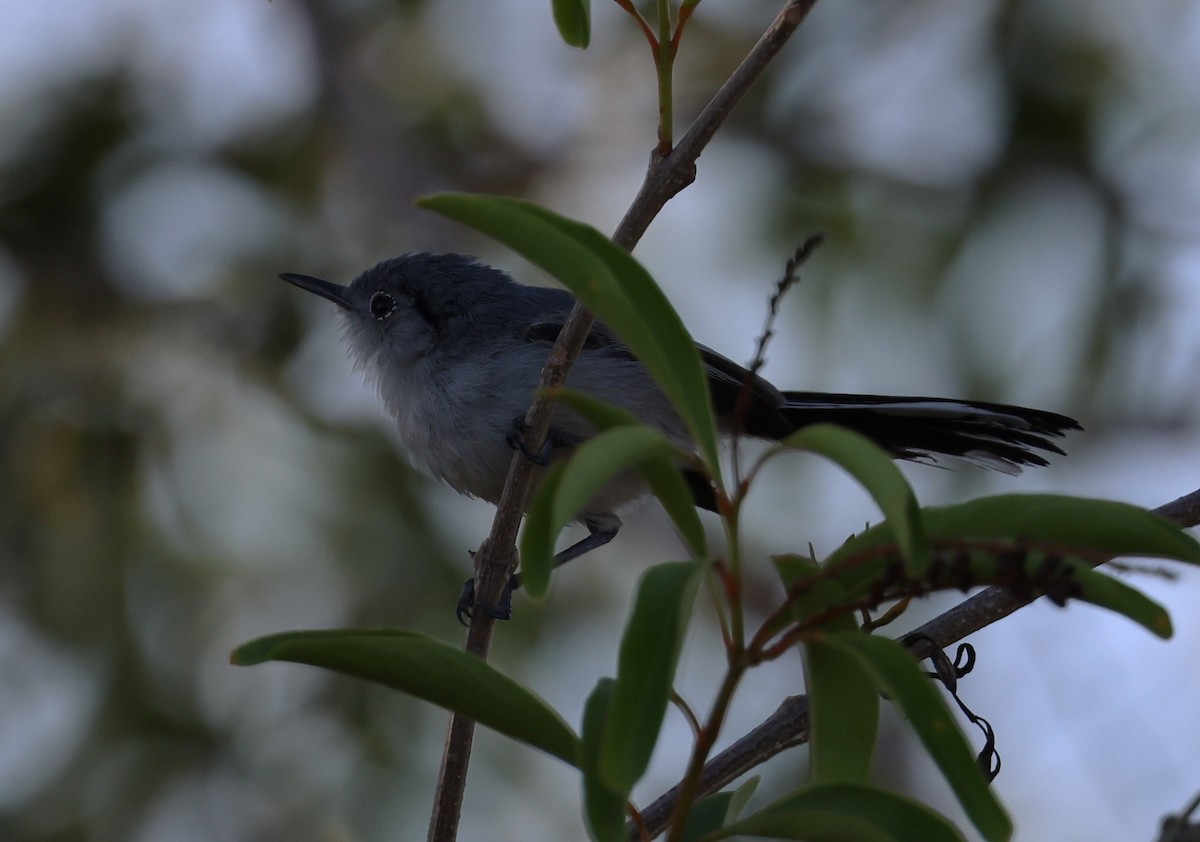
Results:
x,y
494,563
788,725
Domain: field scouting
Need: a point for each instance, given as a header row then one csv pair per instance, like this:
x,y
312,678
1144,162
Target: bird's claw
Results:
x,y
467,603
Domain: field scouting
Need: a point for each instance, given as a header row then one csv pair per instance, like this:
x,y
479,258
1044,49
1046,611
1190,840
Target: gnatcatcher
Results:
x,y
455,348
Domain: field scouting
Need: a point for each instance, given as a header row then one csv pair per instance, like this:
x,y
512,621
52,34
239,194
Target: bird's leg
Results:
x,y
601,530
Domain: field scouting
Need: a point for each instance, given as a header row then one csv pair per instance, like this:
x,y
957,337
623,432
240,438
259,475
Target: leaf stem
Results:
x,y
642,23
664,63
689,787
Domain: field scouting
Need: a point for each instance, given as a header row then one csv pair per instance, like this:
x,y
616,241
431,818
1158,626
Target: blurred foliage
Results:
x,y
186,461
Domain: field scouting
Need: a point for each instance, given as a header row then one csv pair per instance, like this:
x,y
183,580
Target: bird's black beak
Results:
x,y
336,293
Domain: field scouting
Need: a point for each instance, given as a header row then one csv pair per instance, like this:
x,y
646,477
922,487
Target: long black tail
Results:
x,y
997,436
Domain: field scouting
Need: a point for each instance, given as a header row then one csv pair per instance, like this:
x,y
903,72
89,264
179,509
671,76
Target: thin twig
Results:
x,y
685,14
745,395
789,279
642,23
689,787
496,559
788,726
785,728
1181,828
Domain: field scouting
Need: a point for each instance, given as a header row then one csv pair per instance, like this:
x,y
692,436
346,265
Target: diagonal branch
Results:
x,y
788,725
494,563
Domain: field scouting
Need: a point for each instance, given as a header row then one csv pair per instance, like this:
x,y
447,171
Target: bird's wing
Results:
x,y
727,380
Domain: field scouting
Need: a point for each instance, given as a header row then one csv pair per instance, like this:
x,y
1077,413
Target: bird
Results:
x,y
455,348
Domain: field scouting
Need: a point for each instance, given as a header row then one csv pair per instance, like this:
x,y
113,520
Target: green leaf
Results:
x,y
613,285
660,472
1107,592
794,568
814,598
843,705
898,674
741,797
541,529
874,469
565,493
850,812
603,809
707,814
714,812
1067,523
1046,530
427,669
811,824
600,414
645,670
573,19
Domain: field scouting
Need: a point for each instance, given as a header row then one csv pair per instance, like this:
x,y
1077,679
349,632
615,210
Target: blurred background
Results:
x,y
1011,197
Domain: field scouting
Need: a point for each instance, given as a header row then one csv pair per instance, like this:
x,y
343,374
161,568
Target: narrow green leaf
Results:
x,y
811,597
668,486
843,705
564,494
660,472
1073,530
613,285
1117,528
1067,523
1026,569
646,669
793,568
741,797
874,469
1113,594
427,669
539,534
714,812
573,19
811,824
845,812
1061,576
707,815
899,675
603,809
600,414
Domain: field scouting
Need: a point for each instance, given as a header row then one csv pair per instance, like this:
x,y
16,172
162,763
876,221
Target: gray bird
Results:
x,y
455,348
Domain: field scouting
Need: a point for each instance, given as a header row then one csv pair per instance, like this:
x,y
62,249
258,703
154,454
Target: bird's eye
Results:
x,y
382,305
